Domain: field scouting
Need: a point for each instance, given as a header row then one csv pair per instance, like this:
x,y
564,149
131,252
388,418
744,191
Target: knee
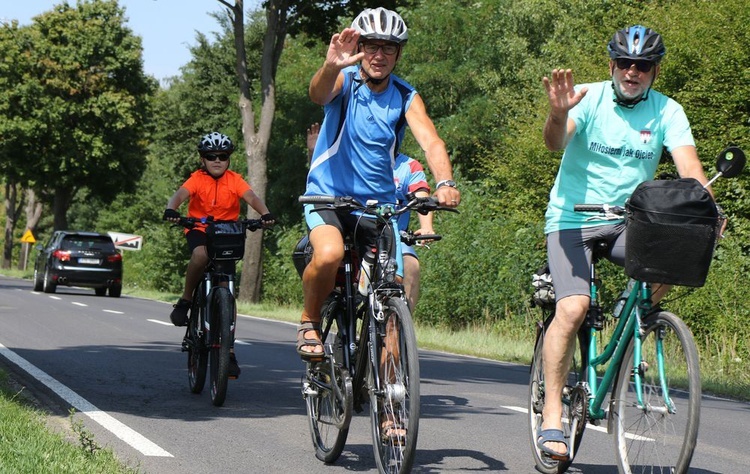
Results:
x,y
570,312
327,257
199,256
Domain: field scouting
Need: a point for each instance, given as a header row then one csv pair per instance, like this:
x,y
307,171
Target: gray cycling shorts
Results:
x,y
569,255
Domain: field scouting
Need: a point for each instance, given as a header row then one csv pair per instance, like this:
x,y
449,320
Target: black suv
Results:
x,y
73,258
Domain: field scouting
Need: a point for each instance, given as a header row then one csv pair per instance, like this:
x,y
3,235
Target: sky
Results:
x,y
167,27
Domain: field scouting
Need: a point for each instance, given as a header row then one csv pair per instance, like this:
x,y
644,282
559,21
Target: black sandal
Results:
x,y
302,341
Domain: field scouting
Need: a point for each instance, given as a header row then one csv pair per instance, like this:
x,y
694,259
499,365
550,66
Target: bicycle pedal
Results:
x,y
308,391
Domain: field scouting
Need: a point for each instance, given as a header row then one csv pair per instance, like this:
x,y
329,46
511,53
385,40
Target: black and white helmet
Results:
x,y
381,24
215,142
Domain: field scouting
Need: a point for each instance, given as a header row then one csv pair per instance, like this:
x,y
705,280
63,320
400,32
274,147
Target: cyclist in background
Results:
x,y
213,190
409,177
613,133
367,109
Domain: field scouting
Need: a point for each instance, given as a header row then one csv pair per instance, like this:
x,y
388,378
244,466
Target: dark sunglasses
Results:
x,y
641,65
216,156
372,48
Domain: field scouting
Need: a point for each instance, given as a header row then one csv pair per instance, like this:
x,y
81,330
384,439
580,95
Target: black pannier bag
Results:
x,y
302,255
225,240
672,227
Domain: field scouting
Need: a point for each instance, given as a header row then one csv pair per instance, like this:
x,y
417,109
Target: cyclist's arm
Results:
x,y
180,196
562,96
328,80
434,149
425,221
688,164
255,202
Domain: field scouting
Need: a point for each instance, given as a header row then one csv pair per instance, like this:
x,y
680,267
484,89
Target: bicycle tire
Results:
x,y
394,395
536,401
196,348
329,402
222,315
656,440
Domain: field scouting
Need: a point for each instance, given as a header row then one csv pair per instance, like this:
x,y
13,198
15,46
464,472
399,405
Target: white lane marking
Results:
x,y
242,343
78,304
55,297
119,429
113,312
589,426
163,323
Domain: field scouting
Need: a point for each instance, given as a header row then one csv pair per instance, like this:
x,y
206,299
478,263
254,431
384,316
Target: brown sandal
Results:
x,y
302,341
392,431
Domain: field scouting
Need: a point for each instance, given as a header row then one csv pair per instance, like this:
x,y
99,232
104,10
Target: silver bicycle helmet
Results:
x,y
637,42
381,24
215,142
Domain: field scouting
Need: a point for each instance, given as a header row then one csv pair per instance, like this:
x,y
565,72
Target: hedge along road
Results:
x,y
118,362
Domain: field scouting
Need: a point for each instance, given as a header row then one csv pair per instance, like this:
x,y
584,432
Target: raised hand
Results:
x,y
342,51
560,91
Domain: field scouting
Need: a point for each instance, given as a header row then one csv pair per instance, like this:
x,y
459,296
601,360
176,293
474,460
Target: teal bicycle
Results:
x,y
650,361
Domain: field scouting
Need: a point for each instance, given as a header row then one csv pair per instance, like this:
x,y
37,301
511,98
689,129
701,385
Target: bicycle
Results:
x,y
210,330
370,348
653,369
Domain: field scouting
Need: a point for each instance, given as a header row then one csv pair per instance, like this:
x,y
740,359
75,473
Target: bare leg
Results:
x,y
559,343
320,275
411,280
195,268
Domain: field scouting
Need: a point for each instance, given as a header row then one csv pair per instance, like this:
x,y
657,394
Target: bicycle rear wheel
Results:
x,y
222,315
536,402
661,435
328,395
394,394
197,352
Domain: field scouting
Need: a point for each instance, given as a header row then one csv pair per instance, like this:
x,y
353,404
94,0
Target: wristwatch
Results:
x,y
446,182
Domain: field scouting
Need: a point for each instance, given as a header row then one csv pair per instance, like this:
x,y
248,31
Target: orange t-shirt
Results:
x,y
219,198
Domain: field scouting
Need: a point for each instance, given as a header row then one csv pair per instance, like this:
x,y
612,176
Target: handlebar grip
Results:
x,y
427,237
316,199
588,207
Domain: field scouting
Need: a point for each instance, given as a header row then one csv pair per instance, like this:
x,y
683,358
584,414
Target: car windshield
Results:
x,y
87,243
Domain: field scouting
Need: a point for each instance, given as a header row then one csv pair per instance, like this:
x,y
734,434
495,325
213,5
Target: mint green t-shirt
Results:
x,y
613,150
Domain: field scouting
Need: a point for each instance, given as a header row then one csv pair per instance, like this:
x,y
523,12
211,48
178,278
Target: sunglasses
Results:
x,y
372,48
641,65
216,156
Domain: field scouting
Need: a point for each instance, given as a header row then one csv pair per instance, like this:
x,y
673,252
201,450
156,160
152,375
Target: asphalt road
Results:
x,y
118,362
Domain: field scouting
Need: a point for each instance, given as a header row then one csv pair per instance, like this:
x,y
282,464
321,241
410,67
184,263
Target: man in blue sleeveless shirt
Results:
x,y
367,109
613,133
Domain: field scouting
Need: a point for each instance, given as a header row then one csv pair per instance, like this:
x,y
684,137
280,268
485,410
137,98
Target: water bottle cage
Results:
x,y
595,318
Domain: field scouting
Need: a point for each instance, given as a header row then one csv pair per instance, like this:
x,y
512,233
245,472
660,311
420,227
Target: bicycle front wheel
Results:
x,y
660,434
222,315
394,392
328,395
196,348
571,422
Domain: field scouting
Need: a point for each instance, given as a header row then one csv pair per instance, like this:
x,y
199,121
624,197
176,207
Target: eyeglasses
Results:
x,y
216,156
641,65
372,48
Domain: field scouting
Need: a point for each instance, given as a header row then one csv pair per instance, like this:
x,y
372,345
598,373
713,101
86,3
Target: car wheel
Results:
x,y
37,280
100,291
48,285
115,291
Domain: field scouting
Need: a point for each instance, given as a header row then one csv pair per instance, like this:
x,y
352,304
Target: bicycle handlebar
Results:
x,y
423,205
409,238
189,222
602,208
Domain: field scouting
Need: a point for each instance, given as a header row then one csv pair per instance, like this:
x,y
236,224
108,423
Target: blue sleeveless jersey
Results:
x,y
359,140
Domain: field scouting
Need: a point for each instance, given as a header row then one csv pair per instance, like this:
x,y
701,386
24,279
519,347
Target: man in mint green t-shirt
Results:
x,y
613,133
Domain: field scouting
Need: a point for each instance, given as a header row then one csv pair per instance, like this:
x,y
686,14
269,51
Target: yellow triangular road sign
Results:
x,y
28,237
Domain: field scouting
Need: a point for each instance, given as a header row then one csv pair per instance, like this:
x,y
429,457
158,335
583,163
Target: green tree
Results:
x,y
79,116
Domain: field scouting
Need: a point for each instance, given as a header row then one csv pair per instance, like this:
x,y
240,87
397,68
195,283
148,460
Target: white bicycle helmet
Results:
x,y
215,142
381,24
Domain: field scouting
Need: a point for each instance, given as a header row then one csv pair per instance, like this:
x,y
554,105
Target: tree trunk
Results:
x,y
33,214
60,206
11,217
256,143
